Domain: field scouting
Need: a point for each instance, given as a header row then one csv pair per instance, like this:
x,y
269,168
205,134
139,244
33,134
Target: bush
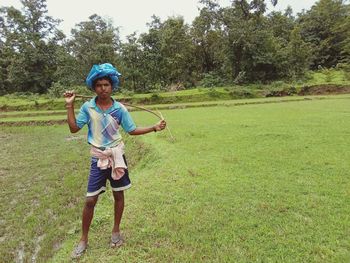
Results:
x,y
56,90
212,80
277,85
240,92
155,98
241,77
343,66
213,93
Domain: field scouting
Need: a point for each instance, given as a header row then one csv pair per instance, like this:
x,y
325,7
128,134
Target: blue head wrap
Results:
x,y
103,70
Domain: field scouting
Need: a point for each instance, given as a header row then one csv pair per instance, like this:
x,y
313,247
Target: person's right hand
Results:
x,y
69,96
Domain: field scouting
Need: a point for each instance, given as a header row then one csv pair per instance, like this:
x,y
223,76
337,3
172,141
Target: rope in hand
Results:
x,y
159,115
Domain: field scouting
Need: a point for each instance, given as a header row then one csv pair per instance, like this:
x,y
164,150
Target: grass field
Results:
x,y
340,78
17,117
254,183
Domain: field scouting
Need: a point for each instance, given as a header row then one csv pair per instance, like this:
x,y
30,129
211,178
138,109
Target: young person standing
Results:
x,y
104,116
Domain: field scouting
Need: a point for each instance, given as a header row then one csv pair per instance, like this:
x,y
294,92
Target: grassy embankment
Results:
x,y
263,182
335,80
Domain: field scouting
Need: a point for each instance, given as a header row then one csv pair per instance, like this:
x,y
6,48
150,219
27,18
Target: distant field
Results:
x,y
332,81
42,116
258,183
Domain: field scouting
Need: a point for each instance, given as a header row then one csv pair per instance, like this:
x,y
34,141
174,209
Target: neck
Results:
x,y
104,101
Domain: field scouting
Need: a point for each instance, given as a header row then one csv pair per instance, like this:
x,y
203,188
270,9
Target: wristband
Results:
x,y
68,106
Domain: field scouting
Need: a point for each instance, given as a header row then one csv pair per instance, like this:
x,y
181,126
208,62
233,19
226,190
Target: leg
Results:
x,y
118,209
88,214
118,186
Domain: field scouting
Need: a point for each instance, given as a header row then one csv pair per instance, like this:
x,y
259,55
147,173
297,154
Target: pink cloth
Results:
x,y
111,158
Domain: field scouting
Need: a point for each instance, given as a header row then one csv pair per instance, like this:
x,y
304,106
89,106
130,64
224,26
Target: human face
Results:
x,y
103,89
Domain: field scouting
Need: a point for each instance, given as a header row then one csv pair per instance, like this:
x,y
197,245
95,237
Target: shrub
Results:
x,y
240,92
56,90
241,77
211,79
155,98
214,93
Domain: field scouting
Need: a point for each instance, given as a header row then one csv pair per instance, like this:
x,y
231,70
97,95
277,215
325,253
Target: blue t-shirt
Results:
x,y
104,125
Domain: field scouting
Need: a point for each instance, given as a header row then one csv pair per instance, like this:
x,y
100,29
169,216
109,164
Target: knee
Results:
x,y
90,202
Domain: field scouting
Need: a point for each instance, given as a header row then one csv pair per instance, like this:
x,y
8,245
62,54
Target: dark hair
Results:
x,y
102,78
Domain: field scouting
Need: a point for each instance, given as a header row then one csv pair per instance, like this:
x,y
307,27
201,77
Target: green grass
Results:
x,y
43,116
32,113
35,118
259,183
39,166
339,78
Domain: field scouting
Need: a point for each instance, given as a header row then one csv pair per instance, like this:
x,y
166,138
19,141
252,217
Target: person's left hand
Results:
x,y
160,125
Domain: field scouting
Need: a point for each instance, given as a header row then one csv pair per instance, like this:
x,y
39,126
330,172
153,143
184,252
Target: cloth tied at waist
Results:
x,y
111,158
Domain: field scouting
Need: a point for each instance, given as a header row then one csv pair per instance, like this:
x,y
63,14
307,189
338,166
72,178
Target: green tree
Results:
x,y
281,24
93,42
326,26
207,39
29,41
294,59
177,49
132,59
249,43
68,71
154,66
167,51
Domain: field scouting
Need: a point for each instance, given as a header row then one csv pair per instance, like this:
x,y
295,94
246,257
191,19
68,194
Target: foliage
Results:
x,y
211,80
238,44
93,42
327,27
57,90
29,40
339,79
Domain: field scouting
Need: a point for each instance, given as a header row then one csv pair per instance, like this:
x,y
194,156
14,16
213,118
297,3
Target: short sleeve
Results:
x,y
83,116
127,122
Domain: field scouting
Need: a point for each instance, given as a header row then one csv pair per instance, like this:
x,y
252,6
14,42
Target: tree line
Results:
x,y
230,45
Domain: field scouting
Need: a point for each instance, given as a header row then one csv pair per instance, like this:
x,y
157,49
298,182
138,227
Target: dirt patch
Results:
x,y
324,90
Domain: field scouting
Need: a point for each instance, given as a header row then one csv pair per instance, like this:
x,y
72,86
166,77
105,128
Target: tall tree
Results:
x,y
249,43
167,50
207,38
154,63
132,59
293,59
29,40
177,49
326,26
93,42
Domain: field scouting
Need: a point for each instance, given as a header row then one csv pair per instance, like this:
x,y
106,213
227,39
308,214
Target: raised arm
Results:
x,y
69,97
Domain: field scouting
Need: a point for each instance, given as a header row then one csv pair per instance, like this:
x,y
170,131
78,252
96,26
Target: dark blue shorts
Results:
x,y
98,179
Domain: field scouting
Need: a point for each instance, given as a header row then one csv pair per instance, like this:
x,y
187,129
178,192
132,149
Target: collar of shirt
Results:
x,y
92,104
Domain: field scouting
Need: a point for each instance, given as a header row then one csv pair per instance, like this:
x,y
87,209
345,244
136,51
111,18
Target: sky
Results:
x,y
133,15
